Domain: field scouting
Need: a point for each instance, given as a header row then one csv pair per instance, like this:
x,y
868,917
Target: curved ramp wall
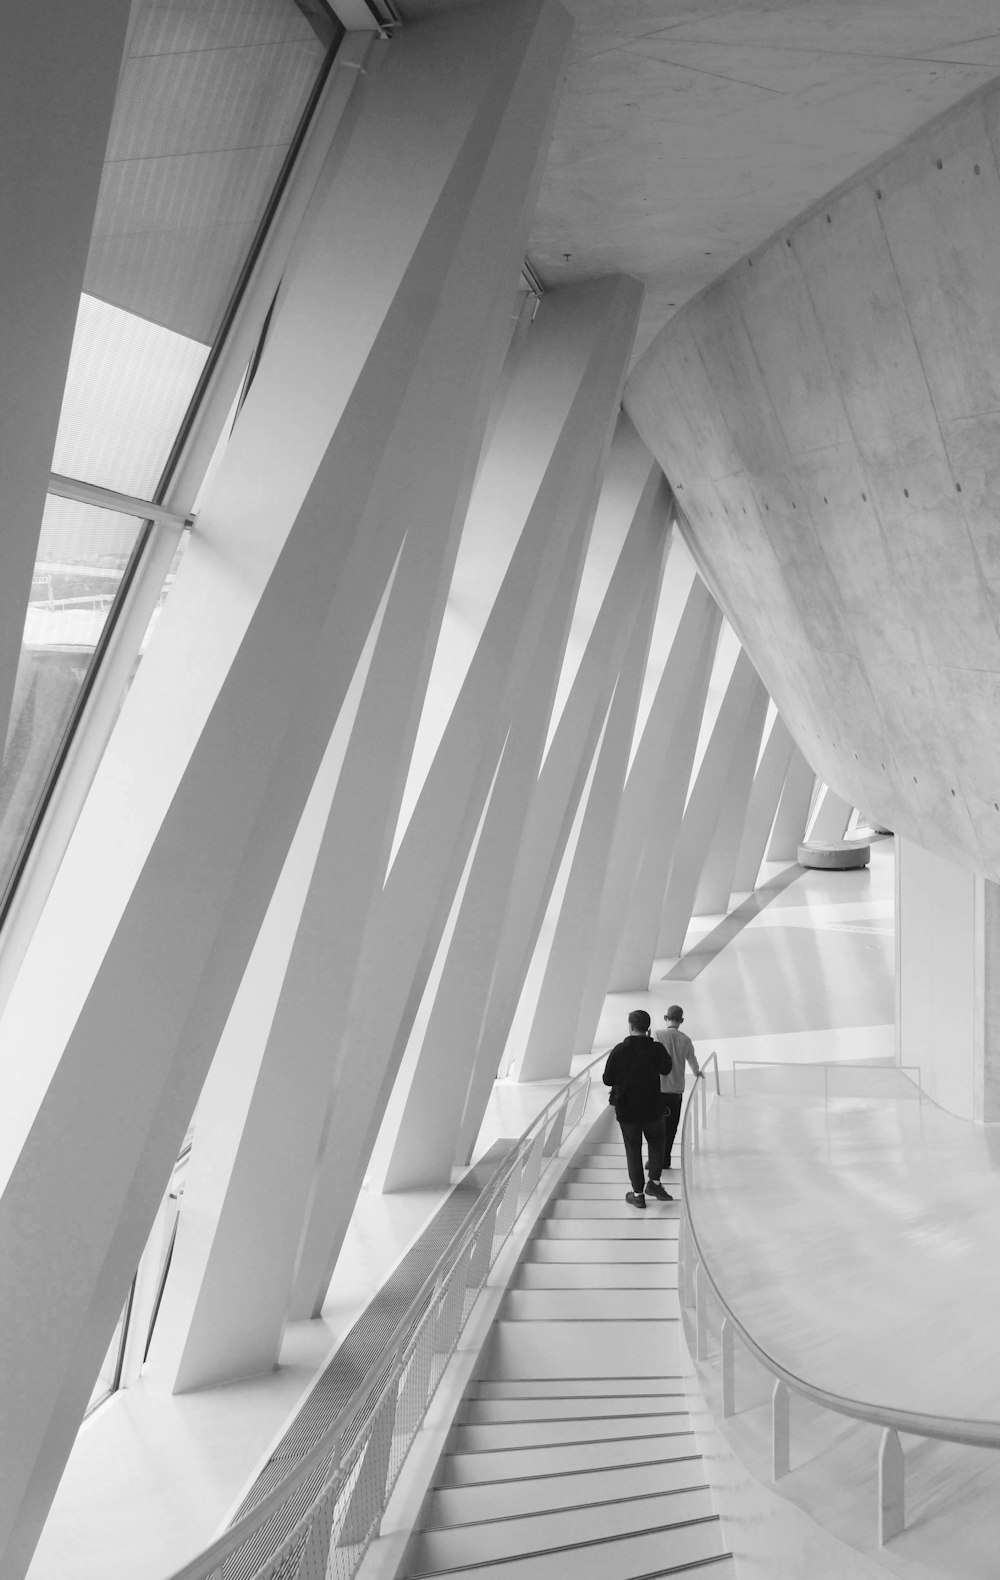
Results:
x,y
829,416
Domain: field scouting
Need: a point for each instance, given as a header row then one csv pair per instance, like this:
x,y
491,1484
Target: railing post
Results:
x,y
781,1431
415,1385
553,1141
367,1500
683,1252
451,1309
532,1169
700,1314
482,1255
728,1368
315,1553
891,1487
703,1094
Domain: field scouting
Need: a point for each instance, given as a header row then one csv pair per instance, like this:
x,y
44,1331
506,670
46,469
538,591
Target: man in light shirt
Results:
x,y
681,1050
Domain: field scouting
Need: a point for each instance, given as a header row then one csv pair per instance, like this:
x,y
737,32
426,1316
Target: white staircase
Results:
x,y
572,1453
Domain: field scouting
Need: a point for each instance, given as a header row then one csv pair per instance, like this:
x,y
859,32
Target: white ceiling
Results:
x,y
690,130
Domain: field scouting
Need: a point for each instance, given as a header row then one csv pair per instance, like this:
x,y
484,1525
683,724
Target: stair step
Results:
x,y
435,1550
576,1387
574,1305
612,1177
647,1552
460,1470
591,1275
640,1226
582,1349
573,1250
602,1190
612,1206
498,1500
481,1412
513,1436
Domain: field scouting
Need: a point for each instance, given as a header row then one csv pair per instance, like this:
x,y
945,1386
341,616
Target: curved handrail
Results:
x,y
949,1429
206,1563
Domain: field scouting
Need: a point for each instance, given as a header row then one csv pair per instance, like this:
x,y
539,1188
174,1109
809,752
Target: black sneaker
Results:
x,y
654,1188
635,1198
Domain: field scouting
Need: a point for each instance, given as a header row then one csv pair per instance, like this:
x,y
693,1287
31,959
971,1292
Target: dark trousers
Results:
x,y
671,1120
632,1134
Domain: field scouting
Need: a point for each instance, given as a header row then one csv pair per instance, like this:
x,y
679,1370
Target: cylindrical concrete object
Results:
x,y
840,855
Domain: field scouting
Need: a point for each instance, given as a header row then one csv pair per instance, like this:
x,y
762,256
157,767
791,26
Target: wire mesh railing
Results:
x,y
319,1521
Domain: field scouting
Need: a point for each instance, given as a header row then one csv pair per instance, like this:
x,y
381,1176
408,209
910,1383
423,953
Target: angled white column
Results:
x,y
636,949
793,810
407,921
563,778
831,817
701,815
225,1305
220,739
640,806
424,1146
551,1042
424,1149
58,74
716,882
764,797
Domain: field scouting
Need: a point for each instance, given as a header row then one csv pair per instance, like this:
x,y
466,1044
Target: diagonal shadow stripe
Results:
x,y
694,962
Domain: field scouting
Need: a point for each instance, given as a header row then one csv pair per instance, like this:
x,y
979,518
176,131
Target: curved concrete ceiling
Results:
x,y
690,130
829,414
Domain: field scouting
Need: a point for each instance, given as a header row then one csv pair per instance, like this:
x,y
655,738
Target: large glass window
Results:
x,y
82,556
211,97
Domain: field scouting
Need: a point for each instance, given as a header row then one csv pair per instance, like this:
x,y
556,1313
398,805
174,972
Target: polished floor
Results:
x,y
153,1478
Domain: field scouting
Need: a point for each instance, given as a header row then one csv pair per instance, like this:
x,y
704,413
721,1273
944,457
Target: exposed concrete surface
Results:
x,y
829,413
690,130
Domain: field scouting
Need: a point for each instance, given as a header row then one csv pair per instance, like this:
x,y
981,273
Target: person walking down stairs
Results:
x,y
633,1071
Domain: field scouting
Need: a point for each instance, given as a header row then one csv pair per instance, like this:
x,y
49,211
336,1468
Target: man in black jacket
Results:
x,y
633,1069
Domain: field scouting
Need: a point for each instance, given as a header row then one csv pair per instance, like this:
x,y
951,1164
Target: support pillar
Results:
x,y
563,778
716,883
640,807
220,739
423,1150
793,810
701,815
764,797
571,965
831,818
408,920
639,938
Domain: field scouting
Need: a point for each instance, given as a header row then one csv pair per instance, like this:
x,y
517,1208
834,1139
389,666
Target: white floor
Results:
x,y
152,1479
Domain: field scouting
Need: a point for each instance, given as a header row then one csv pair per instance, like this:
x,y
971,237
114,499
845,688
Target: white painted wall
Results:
x,y
936,942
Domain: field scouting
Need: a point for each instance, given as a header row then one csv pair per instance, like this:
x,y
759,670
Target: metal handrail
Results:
x,y
387,1368
949,1429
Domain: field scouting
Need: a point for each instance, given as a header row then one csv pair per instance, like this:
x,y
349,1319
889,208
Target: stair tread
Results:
x,y
449,1547
647,1552
457,1470
591,1276
641,1227
481,1412
473,1502
512,1436
601,1252
575,1304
